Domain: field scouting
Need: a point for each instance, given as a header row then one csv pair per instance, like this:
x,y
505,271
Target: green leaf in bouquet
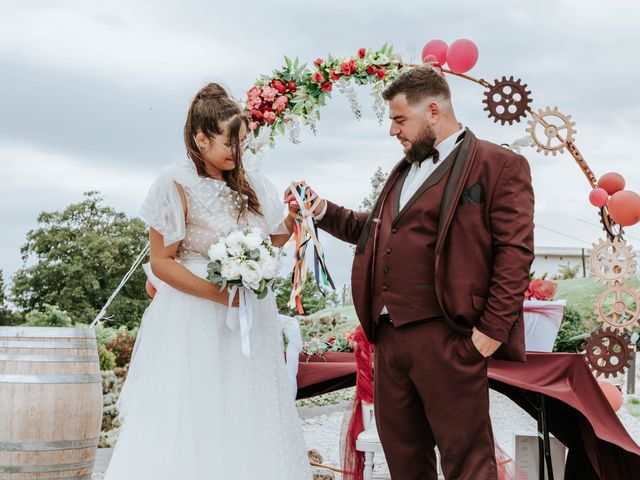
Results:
x,y
262,293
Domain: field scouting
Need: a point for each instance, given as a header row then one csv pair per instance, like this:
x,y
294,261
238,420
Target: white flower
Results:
x,y
253,240
270,266
234,243
218,252
251,274
231,269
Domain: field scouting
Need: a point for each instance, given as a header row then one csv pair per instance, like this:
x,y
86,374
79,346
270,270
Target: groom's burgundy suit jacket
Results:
x,y
460,249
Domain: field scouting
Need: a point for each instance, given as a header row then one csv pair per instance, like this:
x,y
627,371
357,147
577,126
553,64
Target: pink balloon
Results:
x,y
612,182
624,207
151,290
613,395
435,51
598,197
462,55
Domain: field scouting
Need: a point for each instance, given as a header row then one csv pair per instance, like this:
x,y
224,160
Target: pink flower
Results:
x,y
317,77
280,104
348,68
279,86
269,117
326,87
269,93
256,114
254,92
253,125
542,289
362,52
371,70
318,61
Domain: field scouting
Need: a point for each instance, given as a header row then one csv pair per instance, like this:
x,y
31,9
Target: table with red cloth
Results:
x,y
578,413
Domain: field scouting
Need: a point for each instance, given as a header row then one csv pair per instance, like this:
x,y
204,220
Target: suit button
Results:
x,y
386,270
394,230
385,288
388,250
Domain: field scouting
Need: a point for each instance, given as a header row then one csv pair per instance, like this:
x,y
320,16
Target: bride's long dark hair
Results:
x,y
211,107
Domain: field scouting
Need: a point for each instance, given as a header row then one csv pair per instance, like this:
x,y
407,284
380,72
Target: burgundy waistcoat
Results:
x,y
408,237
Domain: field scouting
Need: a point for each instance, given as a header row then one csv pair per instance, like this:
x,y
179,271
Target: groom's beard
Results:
x,y
422,146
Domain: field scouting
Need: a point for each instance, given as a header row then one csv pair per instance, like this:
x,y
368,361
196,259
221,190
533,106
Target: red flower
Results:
x,y
269,117
317,77
291,85
541,289
334,76
318,61
362,52
331,341
381,73
347,68
279,86
371,70
326,87
256,115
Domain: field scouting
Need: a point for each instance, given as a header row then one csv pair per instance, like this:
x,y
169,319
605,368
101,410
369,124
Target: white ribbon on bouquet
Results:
x,y
241,319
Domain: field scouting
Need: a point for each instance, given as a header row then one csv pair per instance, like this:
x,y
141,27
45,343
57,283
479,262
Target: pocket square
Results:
x,y
472,195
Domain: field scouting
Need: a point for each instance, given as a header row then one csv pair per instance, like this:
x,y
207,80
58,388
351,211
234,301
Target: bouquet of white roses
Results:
x,y
244,258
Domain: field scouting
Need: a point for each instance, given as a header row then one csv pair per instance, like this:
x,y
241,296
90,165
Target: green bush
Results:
x,y
49,316
574,324
107,358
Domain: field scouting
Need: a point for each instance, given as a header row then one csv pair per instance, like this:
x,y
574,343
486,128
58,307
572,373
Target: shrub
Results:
x,y
574,325
49,316
122,347
107,358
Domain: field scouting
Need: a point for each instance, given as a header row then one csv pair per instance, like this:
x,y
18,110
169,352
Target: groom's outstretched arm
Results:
x,y
342,223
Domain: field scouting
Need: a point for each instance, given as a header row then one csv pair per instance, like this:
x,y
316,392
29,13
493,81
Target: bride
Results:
x,y
193,406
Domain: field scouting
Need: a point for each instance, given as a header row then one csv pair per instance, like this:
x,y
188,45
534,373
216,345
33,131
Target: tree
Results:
x,y
378,180
7,316
75,259
313,297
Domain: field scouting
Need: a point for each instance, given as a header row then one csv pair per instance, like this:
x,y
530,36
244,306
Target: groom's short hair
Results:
x,y
417,84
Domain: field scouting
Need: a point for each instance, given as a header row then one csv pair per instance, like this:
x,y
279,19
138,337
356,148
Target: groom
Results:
x,y
440,267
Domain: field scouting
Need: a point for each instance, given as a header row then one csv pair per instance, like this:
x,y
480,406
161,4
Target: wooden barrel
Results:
x,y
50,403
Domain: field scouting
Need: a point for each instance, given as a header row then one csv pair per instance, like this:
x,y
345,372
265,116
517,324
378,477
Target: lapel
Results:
x,y
455,183
430,181
398,171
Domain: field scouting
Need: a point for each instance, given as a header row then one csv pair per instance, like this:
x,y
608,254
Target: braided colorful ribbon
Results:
x,y
304,232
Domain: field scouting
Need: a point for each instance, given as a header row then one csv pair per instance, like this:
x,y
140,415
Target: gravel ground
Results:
x,y
322,426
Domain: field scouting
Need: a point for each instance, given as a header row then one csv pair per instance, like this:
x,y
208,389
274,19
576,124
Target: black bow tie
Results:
x,y
434,154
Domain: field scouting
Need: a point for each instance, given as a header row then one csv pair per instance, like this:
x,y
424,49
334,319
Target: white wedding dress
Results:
x,y
193,406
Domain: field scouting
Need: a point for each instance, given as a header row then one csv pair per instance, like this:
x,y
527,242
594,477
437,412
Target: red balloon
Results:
x,y
598,197
624,207
612,182
151,290
435,51
613,395
462,56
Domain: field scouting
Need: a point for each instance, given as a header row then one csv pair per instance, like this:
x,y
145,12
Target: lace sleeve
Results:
x,y
271,203
162,209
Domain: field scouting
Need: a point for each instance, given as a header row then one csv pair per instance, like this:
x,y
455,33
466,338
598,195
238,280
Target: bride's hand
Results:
x,y
292,203
222,297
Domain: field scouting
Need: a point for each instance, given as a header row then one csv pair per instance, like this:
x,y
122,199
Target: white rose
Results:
x,y
218,252
270,267
253,240
231,269
251,274
234,243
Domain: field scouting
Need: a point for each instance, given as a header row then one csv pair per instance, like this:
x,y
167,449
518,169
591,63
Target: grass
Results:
x,y
633,405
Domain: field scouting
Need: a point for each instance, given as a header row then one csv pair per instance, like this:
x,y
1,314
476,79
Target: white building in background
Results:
x,y
549,260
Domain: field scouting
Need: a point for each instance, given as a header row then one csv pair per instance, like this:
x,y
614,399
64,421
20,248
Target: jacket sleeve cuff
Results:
x,y
494,327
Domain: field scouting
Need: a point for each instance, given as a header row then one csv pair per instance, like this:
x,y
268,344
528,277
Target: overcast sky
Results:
x,y
93,95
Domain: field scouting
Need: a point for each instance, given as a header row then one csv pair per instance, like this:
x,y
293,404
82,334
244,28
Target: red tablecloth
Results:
x,y
579,415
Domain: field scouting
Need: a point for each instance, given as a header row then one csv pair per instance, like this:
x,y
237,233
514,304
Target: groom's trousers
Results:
x,y
431,388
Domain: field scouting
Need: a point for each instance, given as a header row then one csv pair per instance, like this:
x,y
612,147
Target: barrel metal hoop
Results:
x,y
47,332
50,379
48,446
48,345
46,468
48,358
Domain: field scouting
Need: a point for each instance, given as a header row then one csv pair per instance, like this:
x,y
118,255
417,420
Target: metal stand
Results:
x,y
544,445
